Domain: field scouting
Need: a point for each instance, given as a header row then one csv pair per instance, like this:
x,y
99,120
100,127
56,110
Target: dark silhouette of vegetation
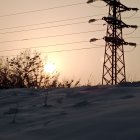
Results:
x,y
27,71
130,84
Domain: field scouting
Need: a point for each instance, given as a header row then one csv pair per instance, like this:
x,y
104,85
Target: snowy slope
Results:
x,y
85,113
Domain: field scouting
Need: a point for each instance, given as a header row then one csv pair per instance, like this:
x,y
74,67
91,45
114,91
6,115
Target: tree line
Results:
x,y
26,70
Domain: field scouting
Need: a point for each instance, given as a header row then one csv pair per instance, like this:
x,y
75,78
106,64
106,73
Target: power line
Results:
x,y
98,6
133,37
60,35
69,50
61,44
43,27
35,24
131,50
41,23
39,10
130,32
99,14
99,46
130,16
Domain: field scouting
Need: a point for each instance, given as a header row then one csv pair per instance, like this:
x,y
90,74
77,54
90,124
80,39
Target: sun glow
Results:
x,y
49,68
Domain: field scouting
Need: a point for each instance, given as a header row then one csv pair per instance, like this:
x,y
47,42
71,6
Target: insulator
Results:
x,y
92,20
93,39
133,26
134,9
90,1
132,44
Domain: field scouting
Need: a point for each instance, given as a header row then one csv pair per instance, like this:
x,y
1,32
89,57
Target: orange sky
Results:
x,y
85,64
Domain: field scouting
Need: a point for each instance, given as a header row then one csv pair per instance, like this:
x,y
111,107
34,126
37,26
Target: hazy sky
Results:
x,y
84,64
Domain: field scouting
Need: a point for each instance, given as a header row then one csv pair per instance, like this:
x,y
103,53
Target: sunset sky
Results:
x,y
60,27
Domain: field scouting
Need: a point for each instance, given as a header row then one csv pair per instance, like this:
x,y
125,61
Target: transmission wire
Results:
x,y
39,10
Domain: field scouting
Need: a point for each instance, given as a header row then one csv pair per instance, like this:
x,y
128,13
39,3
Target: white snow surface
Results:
x,y
82,113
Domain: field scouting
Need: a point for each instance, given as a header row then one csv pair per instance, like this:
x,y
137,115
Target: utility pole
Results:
x,y
114,62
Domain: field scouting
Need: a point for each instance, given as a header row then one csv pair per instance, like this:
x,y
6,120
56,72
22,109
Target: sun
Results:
x,y
49,68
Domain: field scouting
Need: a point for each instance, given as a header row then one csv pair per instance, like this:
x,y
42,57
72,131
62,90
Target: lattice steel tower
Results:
x,y
114,63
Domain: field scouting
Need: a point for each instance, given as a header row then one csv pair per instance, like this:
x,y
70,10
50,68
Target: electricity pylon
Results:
x,y
114,63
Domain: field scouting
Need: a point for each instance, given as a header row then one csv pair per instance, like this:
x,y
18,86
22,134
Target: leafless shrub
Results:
x,y
27,71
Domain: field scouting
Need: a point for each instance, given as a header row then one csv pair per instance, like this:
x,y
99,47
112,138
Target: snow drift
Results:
x,y
84,113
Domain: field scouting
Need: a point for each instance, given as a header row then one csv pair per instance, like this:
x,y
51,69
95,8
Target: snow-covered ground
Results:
x,y
85,113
